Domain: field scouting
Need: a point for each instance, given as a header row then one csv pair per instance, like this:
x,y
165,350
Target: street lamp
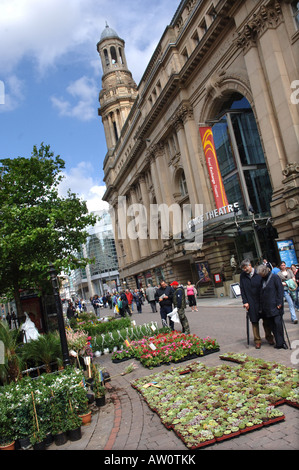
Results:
x,y
61,326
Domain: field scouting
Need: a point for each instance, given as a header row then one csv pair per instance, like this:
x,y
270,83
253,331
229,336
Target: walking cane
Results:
x,y
286,331
247,328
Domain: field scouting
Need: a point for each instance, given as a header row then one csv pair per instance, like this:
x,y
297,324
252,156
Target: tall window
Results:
x,y
240,156
295,9
183,185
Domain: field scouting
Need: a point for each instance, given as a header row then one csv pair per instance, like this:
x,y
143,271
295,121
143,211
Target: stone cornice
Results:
x,y
267,17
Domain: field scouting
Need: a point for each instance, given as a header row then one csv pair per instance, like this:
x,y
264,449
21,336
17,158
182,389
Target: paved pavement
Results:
x,y
126,423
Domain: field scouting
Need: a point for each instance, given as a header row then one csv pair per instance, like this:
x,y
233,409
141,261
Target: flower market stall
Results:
x,y
165,348
204,405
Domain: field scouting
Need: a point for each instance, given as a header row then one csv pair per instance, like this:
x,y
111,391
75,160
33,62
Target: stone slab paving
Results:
x,y
126,423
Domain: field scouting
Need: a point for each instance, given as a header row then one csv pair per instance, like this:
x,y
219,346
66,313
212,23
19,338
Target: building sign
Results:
x,y
214,214
213,166
287,252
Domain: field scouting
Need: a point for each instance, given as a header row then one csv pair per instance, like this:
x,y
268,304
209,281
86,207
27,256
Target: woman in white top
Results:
x,y
191,296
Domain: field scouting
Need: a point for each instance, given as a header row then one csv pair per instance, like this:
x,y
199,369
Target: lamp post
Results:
x,y
61,327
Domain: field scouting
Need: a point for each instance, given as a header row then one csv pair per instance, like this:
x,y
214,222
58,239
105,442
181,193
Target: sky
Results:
x,y
51,76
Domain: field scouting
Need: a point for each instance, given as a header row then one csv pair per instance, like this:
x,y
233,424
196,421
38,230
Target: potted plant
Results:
x,y
38,440
58,419
98,387
7,439
73,424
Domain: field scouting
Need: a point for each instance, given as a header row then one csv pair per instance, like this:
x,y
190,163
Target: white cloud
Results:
x,y
80,180
46,30
13,93
84,93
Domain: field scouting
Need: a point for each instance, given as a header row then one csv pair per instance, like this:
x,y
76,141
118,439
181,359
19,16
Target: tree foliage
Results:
x,y
37,226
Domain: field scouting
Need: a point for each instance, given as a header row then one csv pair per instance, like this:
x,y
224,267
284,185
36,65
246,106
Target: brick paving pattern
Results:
x,y
127,423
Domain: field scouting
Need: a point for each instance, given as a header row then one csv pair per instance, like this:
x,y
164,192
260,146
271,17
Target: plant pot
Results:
x,y
74,434
49,439
40,445
10,446
60,438
100,401
24,443
86,418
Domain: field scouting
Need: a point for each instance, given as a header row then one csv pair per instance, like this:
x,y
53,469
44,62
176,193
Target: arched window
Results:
x,y
106,57
183,185
241,157
113,55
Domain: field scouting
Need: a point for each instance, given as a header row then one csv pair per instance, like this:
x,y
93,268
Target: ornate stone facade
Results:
x,y
214,56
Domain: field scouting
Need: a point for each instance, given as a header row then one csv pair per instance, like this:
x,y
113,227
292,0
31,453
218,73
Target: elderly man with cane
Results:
x,y
272,304
251,285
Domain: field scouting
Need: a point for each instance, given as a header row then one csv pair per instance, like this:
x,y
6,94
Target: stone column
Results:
x,y
186,161
192,131
134,244
142,228
263,101
146,202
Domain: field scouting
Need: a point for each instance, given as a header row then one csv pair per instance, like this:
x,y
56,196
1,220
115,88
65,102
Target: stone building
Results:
x,y
223,80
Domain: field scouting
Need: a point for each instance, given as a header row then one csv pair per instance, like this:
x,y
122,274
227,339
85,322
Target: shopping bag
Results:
x,y
174,316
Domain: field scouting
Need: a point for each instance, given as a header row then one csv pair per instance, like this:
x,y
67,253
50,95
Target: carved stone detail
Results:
x,y
268,17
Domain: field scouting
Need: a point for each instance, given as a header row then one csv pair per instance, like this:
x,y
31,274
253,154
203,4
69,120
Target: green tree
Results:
x,y
37,226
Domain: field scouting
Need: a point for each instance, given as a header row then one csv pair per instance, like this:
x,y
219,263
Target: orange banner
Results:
x,y
213,166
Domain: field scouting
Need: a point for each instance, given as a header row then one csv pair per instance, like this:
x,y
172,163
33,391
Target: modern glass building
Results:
x,y
102,274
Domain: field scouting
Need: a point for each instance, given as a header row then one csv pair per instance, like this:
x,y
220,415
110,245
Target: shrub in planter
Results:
x,y
98,388
7,435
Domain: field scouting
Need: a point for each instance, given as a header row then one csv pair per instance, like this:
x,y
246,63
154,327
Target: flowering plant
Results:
x,y
165,348
79,342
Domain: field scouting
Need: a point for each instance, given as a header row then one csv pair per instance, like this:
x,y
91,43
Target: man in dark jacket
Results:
x,y
272,303
164,295
179,301
251,284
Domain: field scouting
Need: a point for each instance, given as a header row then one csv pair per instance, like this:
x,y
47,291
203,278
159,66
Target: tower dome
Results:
x,y
108,33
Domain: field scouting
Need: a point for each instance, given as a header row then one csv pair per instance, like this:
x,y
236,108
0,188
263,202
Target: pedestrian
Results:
x,y
191,296
275,268
150,296
71,311
250,285
266,263
272,293
137,296
164,295
285,274
129,296
296,276
96,303
109,300
8,319
125,305
179,301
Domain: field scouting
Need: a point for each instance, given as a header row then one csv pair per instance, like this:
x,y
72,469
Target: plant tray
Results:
x,y
251,428
273,420
295,404
202,444
227,436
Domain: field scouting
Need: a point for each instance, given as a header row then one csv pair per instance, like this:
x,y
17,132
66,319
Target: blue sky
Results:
x,y
52,73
